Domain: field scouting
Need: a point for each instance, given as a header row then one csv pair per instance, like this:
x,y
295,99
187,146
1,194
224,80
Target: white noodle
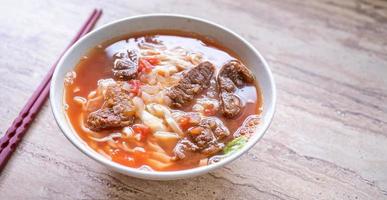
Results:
x,y
158,164
161,157
104,154
150,89
125,147
139,104
107,138
93,104
139,149
80,100
155,147
159,110
154,123
166,135
77,89
128,131
92,94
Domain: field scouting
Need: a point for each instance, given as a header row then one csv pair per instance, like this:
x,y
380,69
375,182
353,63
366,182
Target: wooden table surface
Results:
x,y
328,139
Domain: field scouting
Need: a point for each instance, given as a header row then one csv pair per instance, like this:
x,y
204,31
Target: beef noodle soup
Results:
x,y
162,100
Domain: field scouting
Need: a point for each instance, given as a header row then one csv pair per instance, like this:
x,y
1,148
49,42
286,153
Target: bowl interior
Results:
x,y
228,39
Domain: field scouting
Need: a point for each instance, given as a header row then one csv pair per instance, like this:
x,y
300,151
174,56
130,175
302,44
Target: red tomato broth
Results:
x,y
97,64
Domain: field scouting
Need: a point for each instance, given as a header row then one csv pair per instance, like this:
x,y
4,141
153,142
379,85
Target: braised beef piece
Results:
x,y
230,104
192,83
216,125
118,95
206,138
232,75
117,109
106,118
126,65
182,147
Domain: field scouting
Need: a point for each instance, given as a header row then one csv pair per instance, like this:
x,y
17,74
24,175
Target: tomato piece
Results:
x,y
143,130
148,70
135,86
123,158
140,66
196,130
153,61
184,123
145,66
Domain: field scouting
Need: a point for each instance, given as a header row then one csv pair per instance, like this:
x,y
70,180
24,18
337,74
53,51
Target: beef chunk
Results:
x,y
126,65
230,104
116,111
107,118
118,94
182,147
208,135
217,127
206,138
232,75
192,83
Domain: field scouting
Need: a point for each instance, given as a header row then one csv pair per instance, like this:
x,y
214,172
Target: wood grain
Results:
x,y
329,136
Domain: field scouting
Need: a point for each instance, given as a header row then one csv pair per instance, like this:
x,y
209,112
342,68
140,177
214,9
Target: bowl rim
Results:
x,y
164,175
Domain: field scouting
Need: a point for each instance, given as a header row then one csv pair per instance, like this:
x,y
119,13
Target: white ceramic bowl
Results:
x,y
249,55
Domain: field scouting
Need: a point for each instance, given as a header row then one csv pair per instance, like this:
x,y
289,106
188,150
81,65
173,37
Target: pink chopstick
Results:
x,y
19,126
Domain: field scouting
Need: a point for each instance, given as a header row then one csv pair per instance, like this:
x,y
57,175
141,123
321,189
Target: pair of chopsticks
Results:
x,y
14,134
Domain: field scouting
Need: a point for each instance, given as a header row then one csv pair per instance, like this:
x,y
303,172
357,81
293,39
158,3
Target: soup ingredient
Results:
x,y
191,84
155,123
205,137
142,130
121,157
232,75
219,130
125,67
106,118
116,111
80,100
107,138
69,77
235,144
146,64
163,111
166,137
186,119
206,106
182,147
103,85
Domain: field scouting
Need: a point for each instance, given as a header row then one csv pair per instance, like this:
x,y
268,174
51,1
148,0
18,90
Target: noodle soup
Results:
x,y
162,100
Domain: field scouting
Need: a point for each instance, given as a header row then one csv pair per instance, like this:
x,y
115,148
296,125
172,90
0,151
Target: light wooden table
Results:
x,y
329,136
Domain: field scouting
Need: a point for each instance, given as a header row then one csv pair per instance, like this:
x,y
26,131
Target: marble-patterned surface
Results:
x,y
329,136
